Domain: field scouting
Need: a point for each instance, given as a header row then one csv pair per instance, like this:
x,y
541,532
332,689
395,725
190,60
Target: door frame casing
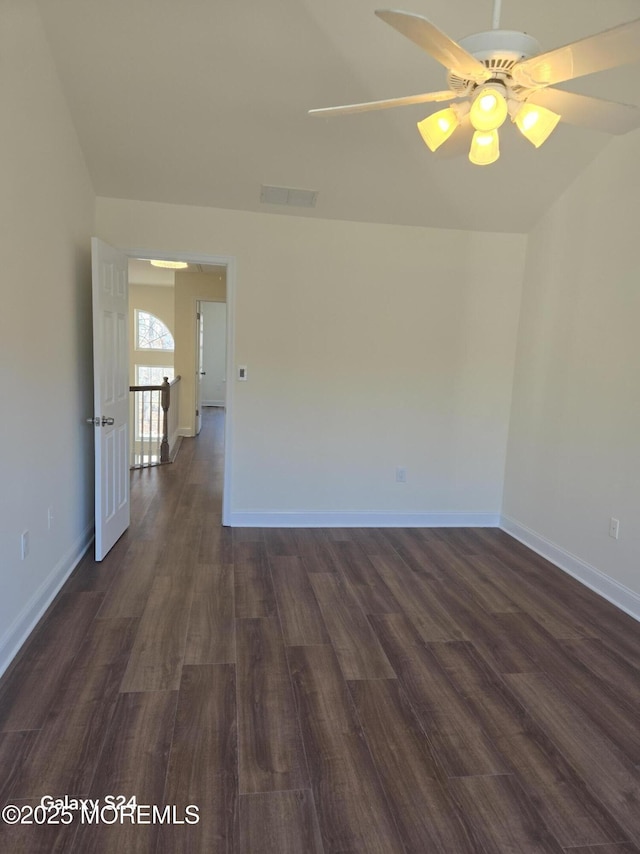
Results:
x,y
229,262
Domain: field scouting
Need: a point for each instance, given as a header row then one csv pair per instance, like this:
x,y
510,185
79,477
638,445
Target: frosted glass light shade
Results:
x,y
536,123
438,127
485,148
489,109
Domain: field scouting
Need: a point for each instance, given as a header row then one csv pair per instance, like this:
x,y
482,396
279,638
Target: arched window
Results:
x,y
151,332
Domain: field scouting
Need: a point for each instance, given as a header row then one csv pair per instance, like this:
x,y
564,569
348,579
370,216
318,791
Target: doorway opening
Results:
x,y
204,289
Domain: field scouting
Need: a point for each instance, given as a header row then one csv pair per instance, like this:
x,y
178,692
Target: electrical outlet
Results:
x,y
614,528
24,545
401,474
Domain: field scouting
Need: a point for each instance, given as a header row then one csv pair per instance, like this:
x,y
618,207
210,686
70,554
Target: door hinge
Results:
x,y
197,412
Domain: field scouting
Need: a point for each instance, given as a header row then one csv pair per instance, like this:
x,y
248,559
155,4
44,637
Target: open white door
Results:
x,y
111,393
200,372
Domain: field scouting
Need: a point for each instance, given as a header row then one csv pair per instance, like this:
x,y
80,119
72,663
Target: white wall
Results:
x,y
47,215
574,447
368,347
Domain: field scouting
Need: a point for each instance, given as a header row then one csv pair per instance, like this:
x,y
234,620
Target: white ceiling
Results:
x,y
202,101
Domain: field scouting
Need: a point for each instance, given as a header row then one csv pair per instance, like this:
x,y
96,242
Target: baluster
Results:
x,y
166,402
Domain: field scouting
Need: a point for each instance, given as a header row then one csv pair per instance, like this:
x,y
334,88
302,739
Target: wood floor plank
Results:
x,y
46,662
373,595
320,558
270,747
358,650
472,571
129,591
433,622
613,848
281,542
15,748
203,763
211,635
158,651
300,615
568,809
466,541
352,809
609,667
254,592
216,543
539,592
505,652
36,838
425,815
279,823
600,700
608,774
410,546
133,762
373,541
69,745
459,742
502,816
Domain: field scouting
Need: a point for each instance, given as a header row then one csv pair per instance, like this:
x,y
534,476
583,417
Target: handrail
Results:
x,y
155,387
165,403
146,387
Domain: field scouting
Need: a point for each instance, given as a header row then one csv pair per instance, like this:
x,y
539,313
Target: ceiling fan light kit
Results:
x,y
485,147
438,127
500,73
535,123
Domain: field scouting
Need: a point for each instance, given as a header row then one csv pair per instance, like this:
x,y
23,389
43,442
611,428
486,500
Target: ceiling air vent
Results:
x,y
288,196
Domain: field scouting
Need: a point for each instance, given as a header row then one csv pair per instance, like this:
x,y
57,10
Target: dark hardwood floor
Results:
x,y
339,691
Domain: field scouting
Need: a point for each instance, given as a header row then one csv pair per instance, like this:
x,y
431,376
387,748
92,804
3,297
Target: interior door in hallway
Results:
x,y
214,353
111,393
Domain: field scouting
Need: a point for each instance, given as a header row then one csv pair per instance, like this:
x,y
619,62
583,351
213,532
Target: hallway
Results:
x,y
376,691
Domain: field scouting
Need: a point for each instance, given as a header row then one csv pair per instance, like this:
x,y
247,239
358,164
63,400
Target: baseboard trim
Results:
x,y
624,598
18,632
358,519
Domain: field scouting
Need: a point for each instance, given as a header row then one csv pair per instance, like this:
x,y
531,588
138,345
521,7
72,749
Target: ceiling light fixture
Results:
x,y
489,108
438,127
535,123
170,265
499,72
485,147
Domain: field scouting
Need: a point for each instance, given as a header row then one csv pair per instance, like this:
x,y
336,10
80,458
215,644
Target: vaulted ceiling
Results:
x,y
201,102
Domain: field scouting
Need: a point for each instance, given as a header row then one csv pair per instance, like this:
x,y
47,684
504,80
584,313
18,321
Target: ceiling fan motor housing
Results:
x,y
498,50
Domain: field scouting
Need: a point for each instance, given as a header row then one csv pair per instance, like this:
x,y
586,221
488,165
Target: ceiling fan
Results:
x,y
497,74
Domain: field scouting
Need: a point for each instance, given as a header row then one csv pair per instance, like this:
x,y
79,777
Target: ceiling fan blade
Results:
x,y
584,111
608,49
427,98
427,36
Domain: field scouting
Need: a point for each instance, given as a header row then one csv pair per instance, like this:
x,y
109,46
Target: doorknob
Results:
x,y
203,373
97,422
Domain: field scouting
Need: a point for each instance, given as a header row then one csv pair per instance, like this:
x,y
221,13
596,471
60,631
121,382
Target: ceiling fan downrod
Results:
x,y
497,6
